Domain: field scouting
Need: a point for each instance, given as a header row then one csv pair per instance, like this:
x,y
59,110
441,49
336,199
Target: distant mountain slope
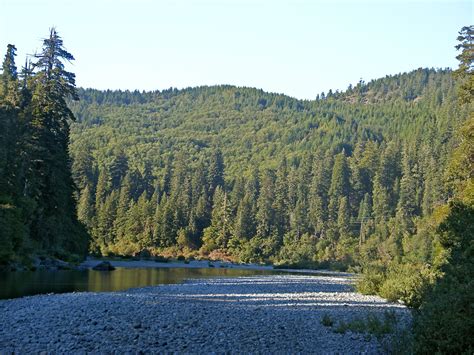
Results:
x,y
245,172
254,127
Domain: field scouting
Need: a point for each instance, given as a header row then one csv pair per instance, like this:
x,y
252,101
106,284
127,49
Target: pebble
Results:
x,y
256,314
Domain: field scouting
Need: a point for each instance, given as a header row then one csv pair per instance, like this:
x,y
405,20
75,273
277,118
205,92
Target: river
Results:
x,y
19,284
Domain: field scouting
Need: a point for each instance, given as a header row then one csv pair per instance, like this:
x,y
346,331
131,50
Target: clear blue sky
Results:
x,y
299,47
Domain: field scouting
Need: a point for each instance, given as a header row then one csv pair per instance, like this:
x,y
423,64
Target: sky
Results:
x,y
299,48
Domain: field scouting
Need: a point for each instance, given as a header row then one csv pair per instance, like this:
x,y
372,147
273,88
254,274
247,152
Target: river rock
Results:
x,y
199,317
46,263
104,266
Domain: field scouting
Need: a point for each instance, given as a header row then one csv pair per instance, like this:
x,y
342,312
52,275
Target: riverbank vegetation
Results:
x,y
435,272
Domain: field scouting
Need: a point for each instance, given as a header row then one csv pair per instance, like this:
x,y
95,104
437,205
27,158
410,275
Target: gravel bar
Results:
x,y
258,314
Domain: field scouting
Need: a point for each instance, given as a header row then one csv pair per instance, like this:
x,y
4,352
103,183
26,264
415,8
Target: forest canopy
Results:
x,y
265,177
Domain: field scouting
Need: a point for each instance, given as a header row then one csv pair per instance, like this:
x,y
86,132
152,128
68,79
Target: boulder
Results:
x,y
47,263
104,266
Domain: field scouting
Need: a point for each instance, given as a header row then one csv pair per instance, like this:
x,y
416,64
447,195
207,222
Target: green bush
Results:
x,y
372,325
371,281
298,251
407,283
326,320
380,327
445,323
256,250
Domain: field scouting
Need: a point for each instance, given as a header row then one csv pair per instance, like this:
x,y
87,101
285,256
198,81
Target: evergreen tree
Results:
x,y
165,233
118,168
85,208
244,227
343,217
202,213
9,120
281,205
407,204
340,184
138,229
265,216
365,219
10,86
123,205
102,188
106,214
298,217
381,208
237,193
84,169
318,195
216,171
217,235
50,174
464,73
12,231
388,173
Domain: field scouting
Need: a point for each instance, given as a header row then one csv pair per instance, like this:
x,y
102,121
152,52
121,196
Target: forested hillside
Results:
x,y
378,179
265,177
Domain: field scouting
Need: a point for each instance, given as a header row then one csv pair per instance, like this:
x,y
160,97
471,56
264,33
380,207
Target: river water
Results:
x,y
19,284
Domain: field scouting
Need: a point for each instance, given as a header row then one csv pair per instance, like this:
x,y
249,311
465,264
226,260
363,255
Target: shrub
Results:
x,y
372,324
371,281
407,283
445,323
380,327
400,343
298,251
326,320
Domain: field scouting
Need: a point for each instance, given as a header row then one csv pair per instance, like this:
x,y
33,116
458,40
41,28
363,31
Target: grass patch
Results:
x,y
372,324
400,343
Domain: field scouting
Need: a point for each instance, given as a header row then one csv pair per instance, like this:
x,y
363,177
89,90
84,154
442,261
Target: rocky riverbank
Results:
x,y
280,313
201,264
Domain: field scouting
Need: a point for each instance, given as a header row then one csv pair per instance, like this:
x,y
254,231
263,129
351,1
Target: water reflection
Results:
x,y
18,284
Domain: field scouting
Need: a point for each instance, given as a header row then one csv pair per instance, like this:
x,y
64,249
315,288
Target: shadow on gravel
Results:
x,y
281,292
